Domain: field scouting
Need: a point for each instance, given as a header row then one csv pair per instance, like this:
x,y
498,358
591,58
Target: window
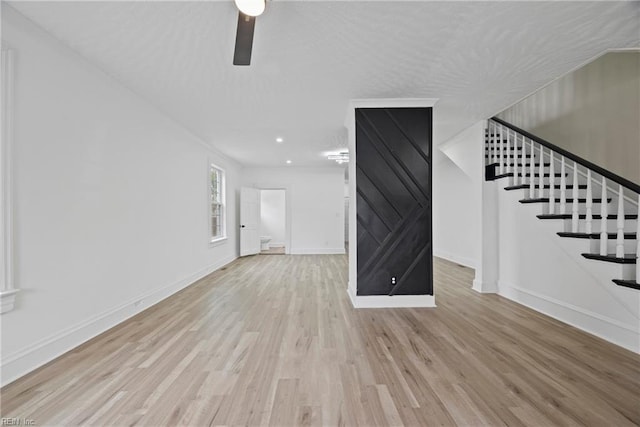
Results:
x,y
216,202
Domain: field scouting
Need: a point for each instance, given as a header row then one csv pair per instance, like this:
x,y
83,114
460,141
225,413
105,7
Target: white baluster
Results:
x,y
588,225
541,174
638,243
501,155
493,147
509,151
552,185
532,180
574,206
620,226
563,188
515,169
604,236
516,161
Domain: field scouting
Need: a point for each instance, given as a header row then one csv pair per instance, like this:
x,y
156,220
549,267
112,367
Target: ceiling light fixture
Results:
x,y
341,158
251,7
288,162
279,140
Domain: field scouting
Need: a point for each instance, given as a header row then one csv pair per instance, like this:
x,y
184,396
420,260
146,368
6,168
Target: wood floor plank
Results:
x,y
274,340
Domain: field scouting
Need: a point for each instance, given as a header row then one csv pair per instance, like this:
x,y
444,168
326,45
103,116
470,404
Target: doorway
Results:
x,y
273,220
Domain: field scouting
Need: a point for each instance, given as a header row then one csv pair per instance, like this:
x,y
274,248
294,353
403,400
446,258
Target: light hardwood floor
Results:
x,y
274,341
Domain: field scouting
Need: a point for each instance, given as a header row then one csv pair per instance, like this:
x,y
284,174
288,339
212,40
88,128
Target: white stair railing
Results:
x,y
517,159
541,174
620,226
588,222
563,187
500,151
552,185
532,179
574,206
638,244
604,235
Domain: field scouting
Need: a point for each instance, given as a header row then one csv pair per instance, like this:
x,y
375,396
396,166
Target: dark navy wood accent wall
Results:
x,y
393,166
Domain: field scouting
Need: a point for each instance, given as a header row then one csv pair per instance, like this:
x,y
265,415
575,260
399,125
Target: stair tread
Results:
x,y
583,216
546,200
627,283
493,148
627,259
556,186
628,236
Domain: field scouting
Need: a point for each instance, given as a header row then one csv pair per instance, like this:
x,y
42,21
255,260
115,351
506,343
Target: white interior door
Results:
x,y
249,221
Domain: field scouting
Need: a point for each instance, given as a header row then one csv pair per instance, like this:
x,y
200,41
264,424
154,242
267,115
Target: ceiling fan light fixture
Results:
x,y
341,158
251,7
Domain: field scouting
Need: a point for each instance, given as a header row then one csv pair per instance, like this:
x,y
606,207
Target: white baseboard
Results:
x,y
467,262
14,366
319,251
612,330
7,300
484,287
395,301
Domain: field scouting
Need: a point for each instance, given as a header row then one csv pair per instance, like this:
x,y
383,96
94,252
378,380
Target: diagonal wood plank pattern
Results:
x,y
274,341
393,170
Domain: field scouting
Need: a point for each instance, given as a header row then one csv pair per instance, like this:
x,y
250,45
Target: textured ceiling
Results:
x,y
310,58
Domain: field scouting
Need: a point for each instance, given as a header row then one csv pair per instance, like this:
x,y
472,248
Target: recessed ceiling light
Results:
x,y
279,140
288,162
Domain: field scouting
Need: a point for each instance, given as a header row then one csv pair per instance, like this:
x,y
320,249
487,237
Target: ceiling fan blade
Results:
x,y
244,39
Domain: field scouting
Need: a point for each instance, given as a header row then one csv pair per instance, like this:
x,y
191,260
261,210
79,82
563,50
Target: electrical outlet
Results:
x,y
393,280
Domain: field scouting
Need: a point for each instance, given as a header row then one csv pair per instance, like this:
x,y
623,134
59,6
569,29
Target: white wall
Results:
x,y
315,205
457,179
591,112
111,202
546,272
272,216
520,256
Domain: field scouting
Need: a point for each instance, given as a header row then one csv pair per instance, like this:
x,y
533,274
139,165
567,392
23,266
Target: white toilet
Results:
x,y
264,243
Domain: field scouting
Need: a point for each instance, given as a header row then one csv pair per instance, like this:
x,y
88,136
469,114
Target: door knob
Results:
x,y
242,226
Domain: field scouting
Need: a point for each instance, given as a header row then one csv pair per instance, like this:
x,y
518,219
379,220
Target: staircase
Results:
x,y
587,202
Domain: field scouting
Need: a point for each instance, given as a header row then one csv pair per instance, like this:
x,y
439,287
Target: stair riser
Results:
x,y
599,268
582,194
582,209
629,246
629,208
612,226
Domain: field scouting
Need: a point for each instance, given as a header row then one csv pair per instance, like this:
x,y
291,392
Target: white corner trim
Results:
x,y
7,300
484,287
612,330
317,251
394,301
25,360
7,285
